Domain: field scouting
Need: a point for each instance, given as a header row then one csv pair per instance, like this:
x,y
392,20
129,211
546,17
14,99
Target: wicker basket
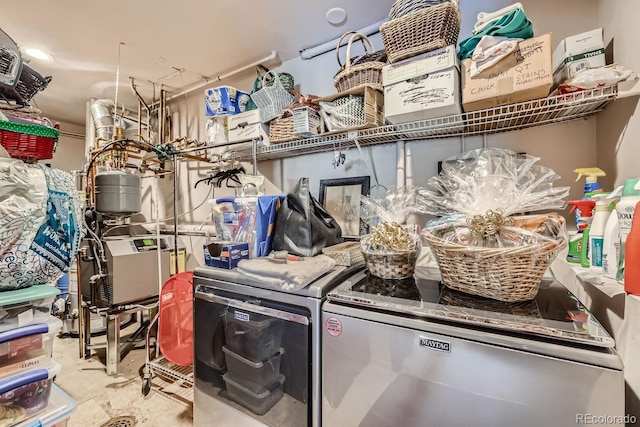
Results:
x,y
271,100
421,31
281,129
364,73
397,265
347,253
401,8
358,108
504,274
286,80
28,141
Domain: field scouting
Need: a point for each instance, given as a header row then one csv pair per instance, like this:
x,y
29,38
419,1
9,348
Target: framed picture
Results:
x,y
341,198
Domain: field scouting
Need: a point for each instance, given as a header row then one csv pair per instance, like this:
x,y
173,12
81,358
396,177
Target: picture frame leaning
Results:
x,y
341,198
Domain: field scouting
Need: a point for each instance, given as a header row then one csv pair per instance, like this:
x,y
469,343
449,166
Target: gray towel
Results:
x,y
291,276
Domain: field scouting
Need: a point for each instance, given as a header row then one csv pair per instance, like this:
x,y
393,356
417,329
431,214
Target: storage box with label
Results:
x,y
224,100
578,53
225,254
422,87
246,126
523,75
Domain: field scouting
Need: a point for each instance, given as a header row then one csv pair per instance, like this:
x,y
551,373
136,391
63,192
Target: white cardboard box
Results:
x,y
246,125
422,87
578,53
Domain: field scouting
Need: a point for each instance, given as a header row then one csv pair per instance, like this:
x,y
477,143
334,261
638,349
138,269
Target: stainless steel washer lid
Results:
x,y
317,289
554,314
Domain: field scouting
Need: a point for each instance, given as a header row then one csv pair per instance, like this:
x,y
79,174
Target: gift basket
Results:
x,y
365,70
421,31
390,251
481,246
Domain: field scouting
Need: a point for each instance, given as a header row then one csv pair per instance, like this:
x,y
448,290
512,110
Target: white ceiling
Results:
x,y
203,37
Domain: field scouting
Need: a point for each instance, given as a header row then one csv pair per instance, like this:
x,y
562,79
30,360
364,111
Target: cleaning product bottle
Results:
x,y
591,185
596,232
577,243
625,210
632,255
611,244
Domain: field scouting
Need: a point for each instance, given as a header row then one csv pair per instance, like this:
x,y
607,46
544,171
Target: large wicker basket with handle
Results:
x,y
510,274
361,71
421,31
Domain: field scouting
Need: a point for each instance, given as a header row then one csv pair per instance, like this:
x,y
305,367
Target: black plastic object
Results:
x,y
254,336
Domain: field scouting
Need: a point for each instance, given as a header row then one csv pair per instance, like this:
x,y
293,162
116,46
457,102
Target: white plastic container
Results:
x,y
26,306
625,210
611,246
57,413
596,234
28,347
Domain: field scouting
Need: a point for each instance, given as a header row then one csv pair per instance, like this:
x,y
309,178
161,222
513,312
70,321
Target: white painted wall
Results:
x,y
618,130
69,154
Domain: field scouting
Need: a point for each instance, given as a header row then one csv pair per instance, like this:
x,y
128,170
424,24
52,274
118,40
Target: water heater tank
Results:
x,y
117,193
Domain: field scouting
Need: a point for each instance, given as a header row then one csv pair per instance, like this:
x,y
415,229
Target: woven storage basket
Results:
x,y
30,83
281,128
271,100
421,31
347,253
286,80
397,265
401,8
28,141
364,73
504,274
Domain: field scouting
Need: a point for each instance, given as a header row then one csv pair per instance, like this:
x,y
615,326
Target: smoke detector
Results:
x,y
336,16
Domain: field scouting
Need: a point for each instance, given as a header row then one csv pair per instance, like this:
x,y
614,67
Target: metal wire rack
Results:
x,y
172,381
554,109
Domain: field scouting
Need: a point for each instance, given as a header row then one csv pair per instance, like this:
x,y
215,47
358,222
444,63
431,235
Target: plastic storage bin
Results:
x,y
251,335
57,414
260,373
25,394
27,347
257,399
26,306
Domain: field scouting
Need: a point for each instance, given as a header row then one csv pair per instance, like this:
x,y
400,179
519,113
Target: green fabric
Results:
x,y
514,24
29,129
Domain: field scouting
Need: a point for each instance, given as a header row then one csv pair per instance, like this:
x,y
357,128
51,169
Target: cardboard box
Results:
x,y
422,87
523,75
225,254
245,126
578,53
224,100
306,122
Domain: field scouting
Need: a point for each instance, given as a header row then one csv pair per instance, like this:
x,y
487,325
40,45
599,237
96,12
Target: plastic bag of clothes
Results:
x,y
39,224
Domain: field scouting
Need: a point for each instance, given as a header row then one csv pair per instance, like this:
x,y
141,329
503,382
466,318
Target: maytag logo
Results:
x,y
243,317
435,344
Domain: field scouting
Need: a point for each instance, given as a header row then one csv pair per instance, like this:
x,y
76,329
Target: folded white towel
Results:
x,y
291,276
485,18
489,51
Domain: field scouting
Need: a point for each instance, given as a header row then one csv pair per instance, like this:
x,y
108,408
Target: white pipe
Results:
x,y
401,176
197,86
313,51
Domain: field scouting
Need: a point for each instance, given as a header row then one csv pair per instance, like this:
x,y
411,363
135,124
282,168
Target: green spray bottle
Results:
x,y
579,242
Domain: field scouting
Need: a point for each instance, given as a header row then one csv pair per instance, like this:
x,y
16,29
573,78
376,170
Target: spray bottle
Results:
x,y
611,243
591,185
596,233
579,242
625,210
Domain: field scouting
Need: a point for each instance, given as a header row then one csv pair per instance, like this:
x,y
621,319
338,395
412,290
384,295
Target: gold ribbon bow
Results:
x,y
488,224
390,236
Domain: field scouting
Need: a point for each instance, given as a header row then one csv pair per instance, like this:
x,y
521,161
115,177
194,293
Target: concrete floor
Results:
x,y
100,397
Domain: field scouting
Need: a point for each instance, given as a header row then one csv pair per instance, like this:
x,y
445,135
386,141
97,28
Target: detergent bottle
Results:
x,y
596,232
578,242
632,255
611,243
625,210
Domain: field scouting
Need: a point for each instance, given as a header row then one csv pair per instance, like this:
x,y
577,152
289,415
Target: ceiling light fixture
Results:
x,y
313,51
38,54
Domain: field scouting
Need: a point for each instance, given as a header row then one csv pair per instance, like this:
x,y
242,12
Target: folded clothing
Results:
x,y
485,18
292,276
515,24
489,51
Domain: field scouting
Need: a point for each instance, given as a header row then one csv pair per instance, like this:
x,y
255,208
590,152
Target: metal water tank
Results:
x,y
117,193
